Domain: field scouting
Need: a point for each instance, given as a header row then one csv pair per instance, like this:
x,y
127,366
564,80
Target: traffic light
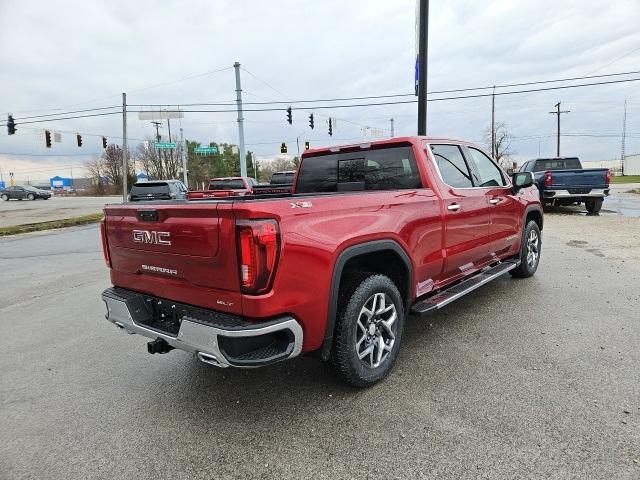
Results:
x,y
11,125
79,139
47,138
311,121
283,148
330,127
289,116
104,142
307,146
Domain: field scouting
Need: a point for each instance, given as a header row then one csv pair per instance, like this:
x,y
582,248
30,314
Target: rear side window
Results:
x,y
557,164
452,166
380,169
230,184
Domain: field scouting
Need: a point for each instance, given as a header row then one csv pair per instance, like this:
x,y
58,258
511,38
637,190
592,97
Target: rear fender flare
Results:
x,y
346,255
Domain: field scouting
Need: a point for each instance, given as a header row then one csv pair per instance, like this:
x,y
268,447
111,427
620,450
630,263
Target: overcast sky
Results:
x,y
83,54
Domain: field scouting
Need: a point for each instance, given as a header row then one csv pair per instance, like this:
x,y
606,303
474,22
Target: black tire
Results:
x,y
528,267
357,332
31,196
593,205
5,197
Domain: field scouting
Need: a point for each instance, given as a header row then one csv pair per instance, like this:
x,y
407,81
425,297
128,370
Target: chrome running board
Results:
x,y
453,293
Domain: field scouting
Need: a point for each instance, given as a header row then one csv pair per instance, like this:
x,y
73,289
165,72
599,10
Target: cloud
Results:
x,y
84,54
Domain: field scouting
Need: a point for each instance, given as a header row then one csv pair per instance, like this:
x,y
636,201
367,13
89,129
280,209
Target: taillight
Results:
x,y
547,179
105,245
258,251
607,177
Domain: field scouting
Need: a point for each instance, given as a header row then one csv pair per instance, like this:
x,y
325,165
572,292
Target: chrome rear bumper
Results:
x,y
593,193
226,342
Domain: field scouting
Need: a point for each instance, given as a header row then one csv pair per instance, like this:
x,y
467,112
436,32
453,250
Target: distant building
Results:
x,y
59,182
632,164
143,177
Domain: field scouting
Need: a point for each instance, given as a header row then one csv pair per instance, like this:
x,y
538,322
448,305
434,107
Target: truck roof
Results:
x,y
388,141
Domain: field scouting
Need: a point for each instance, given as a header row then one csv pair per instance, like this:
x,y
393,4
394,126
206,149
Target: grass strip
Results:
x,y
626,179
50,225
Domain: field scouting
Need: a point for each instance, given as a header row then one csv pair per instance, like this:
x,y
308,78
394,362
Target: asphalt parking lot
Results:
x,y
536,378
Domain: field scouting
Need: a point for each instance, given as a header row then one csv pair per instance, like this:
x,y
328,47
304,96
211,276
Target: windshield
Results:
x,y
30,188
226,184
150,189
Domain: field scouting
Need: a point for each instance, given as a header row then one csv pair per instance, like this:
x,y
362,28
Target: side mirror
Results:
x,y
522,180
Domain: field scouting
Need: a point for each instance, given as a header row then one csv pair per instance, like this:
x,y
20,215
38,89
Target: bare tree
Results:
x,y
503,143
95,170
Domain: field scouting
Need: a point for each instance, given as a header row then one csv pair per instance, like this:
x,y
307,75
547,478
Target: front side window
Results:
x,y
490,175
452,166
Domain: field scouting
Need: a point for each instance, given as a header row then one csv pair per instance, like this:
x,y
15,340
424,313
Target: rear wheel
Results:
x,y
529,251
593,205
31,196
369,329
4,197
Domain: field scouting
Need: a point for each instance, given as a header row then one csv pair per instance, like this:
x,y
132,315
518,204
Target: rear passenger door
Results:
x,y
503,206
466,211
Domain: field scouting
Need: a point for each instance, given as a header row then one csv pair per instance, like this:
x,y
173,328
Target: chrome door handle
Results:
x,y
453,207
494,201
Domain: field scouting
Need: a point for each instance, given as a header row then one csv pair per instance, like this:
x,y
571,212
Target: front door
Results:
x,y
466,212
504,227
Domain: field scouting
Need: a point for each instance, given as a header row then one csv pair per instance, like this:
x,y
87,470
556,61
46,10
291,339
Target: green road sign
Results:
x,y
205,150
165,145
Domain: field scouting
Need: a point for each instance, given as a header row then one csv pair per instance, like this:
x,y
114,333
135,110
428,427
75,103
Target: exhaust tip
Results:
x,y
210,360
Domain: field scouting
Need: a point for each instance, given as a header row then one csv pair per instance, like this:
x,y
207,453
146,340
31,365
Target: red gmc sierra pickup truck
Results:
x,y
370,233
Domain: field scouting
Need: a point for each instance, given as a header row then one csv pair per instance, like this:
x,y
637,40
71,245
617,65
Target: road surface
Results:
x,y
520,379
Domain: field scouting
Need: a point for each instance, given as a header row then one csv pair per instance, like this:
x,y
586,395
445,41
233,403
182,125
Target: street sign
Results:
x,y
159,115
165,145
205,150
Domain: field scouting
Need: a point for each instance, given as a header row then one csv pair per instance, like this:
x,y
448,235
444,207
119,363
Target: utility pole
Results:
x,y
169,128
393,133
624,138
157,125
243,160
423,25
493,123
558,112
124,148
184,158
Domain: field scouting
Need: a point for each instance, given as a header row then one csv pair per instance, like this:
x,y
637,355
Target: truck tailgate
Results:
x,y
582,178
182,249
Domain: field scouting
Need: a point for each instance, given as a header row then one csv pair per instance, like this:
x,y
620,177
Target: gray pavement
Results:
x,y
521,379
19,212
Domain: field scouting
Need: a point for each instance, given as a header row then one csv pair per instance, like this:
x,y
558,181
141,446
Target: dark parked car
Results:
x,y
24,193
158,190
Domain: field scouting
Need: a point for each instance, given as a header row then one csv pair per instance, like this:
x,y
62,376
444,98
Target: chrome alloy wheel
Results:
x,y
533,248
376,332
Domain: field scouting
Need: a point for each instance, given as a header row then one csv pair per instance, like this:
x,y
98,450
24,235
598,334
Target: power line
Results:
x,y
68,118
398,102
398,95
614,60
66,113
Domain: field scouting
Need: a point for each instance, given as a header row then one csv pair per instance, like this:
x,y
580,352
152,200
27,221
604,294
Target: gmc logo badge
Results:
x,y
152,237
